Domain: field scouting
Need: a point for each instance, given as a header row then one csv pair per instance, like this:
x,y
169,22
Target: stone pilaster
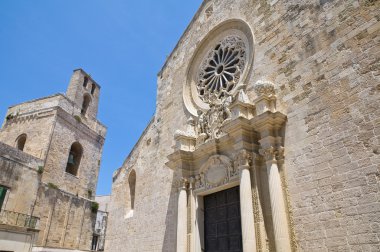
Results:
x,y
280,222
246,207
192,215
182,217
261,234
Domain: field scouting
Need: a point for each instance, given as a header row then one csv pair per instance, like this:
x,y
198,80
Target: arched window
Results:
x,y
85,81
85,104
20,142
93,88
75,155
130,195
132,186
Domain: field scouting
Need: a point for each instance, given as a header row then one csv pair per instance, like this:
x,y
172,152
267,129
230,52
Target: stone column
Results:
x,y
192,215
246,207
182,218
280,220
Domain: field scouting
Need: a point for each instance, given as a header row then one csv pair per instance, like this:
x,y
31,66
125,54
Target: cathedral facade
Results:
x,y
265,135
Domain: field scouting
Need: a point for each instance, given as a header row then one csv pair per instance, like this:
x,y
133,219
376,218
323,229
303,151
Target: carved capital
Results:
x,y
192,182
243,158
272,154
280,153
183,183
269,154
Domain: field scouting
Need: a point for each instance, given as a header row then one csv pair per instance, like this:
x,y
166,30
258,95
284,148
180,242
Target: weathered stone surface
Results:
x,y
323,58
38,182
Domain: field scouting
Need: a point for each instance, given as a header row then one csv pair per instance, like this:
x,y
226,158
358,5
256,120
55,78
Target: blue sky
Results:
x,y
122,43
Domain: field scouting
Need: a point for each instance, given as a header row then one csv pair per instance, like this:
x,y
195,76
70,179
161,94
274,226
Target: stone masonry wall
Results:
x,y
36,126
68,130
323,57
19,172
154,210
66,220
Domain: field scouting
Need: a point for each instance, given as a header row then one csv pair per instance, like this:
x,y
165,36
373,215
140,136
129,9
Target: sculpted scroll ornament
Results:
x,y
217,171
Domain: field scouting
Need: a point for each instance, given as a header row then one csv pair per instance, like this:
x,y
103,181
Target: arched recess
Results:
x,y
75,156
20,142
85,104
130,196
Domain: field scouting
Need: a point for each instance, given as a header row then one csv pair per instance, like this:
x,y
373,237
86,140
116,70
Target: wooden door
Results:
x,y
222,221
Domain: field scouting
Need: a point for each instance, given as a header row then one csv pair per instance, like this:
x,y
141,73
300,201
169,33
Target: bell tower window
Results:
x,y
93,88
20,142
85,81
85,104
75,155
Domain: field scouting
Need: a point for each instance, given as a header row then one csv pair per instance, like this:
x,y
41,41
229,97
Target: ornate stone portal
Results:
x,y
227,145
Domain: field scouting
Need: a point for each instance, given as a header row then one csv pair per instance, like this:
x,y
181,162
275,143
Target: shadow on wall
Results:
x,y
170,237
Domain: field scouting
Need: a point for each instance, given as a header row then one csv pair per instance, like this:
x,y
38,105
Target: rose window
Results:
x,y
221,70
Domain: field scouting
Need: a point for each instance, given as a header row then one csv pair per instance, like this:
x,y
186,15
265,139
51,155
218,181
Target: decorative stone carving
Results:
x,y
266,100
243,158
271,153
184,182
217,171
263,87
209,123
256,157
199,181
268,154
221,69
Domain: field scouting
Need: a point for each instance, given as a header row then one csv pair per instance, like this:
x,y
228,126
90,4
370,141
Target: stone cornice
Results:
x,y
268,120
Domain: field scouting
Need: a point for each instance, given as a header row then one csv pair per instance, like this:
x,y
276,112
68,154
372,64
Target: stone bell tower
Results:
x,y
84,92
62,132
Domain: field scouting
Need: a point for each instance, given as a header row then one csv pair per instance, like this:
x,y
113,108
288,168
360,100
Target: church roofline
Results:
x,y
51,96
138,141
37,99
195,17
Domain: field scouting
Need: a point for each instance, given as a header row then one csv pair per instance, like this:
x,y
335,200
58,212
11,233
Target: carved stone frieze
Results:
x,y
217,171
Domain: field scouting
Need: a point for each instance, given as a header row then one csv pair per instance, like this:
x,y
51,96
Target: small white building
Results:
x,y
101,223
